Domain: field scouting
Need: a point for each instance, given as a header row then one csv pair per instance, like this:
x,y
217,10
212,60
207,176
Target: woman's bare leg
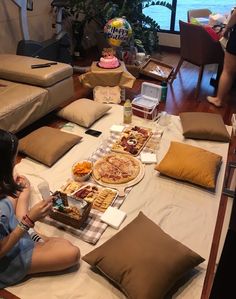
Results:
x,y
227,77
226,80
54,254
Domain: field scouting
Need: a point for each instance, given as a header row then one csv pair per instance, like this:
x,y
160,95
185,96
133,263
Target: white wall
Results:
x,y
39,20
40,26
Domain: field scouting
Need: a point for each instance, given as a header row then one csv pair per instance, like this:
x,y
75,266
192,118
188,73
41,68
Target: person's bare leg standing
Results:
x,y
229,70
226,81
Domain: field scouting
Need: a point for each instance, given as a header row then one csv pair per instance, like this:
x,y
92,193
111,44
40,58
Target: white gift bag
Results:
x,y
107,94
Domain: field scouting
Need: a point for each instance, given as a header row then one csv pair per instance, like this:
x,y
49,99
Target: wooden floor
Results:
x,y
180,98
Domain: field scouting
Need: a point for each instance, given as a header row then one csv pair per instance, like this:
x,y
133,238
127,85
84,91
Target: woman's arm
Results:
x,y
232,20
22,204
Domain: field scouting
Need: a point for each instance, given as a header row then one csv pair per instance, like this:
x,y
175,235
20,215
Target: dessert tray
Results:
x,y
132,140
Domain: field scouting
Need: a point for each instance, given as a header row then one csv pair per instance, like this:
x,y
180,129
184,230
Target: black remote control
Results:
x,y
37,66
41,65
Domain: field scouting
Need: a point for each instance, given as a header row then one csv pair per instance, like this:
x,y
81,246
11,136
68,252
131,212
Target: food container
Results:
x,y
100,197
146,104
61,202
156,69
71,186
81,170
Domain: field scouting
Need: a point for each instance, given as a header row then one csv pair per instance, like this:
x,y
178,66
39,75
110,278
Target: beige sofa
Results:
x,y
28,94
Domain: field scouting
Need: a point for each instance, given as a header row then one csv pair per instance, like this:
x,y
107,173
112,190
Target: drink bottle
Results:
x,y
163,91
127,112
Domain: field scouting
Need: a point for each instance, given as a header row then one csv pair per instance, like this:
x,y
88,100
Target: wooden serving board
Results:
x,y
127,152
121,187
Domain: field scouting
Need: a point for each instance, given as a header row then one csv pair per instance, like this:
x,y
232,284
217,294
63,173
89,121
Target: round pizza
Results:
x,y
116,168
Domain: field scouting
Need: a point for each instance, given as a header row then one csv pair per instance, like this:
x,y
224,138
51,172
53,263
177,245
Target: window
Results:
x,y
170,22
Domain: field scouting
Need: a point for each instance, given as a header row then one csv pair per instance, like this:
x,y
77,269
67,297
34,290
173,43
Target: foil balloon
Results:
x,y
117,31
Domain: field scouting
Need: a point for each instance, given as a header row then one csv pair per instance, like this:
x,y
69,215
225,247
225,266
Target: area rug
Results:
x,y
186,212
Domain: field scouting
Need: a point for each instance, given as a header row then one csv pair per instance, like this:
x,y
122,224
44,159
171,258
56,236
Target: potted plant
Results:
x,y
99,11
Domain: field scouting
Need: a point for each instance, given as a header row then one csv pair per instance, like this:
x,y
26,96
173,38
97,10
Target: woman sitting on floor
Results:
x,y
20,254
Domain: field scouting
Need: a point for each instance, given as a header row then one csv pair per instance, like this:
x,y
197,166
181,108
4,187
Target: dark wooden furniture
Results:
x,y
198,48
224,282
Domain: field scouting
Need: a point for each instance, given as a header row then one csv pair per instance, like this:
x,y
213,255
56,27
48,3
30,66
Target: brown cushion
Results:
x,y
201,125
47,145
143,260
190,163
83,112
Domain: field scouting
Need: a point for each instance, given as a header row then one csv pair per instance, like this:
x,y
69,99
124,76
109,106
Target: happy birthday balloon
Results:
x,y
117,31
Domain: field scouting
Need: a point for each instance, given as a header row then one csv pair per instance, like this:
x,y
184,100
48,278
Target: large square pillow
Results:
x,y
47,144
202,125
142,260
83,112
190,163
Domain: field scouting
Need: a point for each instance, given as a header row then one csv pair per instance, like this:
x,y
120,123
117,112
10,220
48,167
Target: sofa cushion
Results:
x,y
143,260
202,125
83,112
20,105
18,68
190,163
47,144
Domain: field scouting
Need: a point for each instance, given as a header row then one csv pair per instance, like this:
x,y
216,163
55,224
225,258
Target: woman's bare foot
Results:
x,y
214,101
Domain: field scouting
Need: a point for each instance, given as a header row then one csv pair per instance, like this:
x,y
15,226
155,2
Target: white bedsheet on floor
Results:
x,y
186,212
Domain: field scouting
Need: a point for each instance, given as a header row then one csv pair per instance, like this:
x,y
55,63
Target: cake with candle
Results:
x,y
108,59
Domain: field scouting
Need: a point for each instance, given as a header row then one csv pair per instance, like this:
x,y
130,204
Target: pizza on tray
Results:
x,y
116,168
132,140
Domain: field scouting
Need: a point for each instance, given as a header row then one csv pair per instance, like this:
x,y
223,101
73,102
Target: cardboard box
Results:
x,y
146,104
133,69
233,122
156,69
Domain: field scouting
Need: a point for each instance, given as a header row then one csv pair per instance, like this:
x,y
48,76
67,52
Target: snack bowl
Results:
x,y
82,170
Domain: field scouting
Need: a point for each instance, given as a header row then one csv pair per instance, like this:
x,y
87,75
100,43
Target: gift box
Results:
x,y
233,122
146,104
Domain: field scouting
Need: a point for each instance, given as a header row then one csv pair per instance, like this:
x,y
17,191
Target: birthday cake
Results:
x,y
108,59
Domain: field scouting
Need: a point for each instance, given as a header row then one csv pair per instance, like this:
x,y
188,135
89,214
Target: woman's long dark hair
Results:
x,y
8,151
